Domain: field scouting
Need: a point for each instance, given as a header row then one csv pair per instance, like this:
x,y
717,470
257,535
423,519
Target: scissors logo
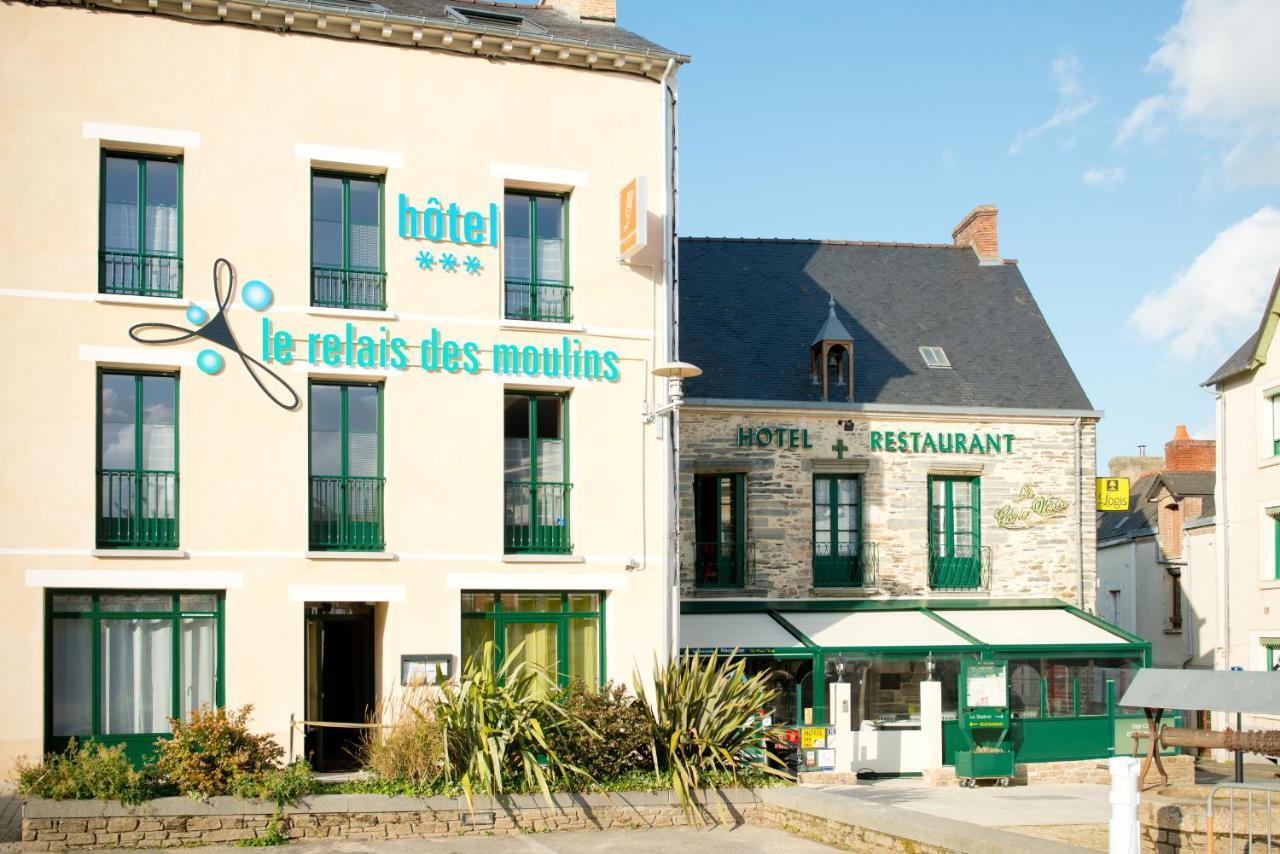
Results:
x,y
257,296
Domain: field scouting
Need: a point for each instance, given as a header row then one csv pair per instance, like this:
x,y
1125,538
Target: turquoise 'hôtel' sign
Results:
x,y
449,224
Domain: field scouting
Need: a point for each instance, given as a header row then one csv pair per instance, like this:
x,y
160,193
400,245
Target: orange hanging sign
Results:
x,y
632,218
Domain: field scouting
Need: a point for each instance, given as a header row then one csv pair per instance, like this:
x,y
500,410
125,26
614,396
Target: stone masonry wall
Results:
x,y
1036,561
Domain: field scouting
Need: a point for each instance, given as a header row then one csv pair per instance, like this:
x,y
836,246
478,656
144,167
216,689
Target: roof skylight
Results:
x,y
935,357
493,19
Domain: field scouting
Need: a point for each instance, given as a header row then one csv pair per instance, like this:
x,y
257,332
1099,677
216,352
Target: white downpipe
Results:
x,y
1125,834
1222,655
1080,515
671,586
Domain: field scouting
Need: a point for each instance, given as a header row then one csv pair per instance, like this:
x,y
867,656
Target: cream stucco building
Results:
x,y
1247,536
406,415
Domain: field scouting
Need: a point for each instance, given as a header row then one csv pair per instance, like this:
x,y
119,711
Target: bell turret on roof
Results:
x,y
832,329
831,354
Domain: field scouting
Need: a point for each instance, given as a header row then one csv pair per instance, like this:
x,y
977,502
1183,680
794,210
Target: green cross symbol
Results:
x,y
840,447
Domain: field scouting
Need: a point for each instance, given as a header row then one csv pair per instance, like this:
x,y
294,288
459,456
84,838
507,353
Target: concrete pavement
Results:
x,y
989,806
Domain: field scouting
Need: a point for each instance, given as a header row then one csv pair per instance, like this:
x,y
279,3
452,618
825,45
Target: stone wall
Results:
x,y
1036,561
1182,771
1179,823
166,822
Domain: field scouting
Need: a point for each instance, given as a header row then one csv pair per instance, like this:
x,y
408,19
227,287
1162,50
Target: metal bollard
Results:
x,y
1125,833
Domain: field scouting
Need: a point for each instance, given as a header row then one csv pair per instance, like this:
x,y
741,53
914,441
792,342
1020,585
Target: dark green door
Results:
x,y
836,531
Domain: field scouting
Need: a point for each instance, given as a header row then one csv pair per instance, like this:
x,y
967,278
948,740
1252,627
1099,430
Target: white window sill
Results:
x,y
1270,584
140,553
336,555
543,559
1268,462
541,326
352,313
154,302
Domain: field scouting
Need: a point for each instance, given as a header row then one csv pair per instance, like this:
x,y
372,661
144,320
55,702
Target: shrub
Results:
x,y
89,770
622,727
282,786
706,717
496,721
210,751
411,749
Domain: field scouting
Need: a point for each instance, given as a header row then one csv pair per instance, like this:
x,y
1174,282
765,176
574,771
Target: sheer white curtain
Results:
x,y
199,663
72,677
137,676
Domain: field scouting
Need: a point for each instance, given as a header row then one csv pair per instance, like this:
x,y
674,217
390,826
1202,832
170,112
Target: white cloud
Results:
x,y
1223,83
1073,104
1213,304
1103,177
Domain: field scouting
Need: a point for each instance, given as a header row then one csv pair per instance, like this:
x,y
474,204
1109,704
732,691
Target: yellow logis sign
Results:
x,y
633,231
1112,493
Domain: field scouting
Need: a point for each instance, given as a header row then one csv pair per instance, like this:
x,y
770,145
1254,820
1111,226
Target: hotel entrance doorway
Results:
x,y
339,679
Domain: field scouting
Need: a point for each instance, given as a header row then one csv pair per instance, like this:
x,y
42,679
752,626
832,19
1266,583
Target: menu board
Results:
x,y
986,685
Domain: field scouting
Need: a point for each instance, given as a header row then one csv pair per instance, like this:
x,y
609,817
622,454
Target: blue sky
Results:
x,y
1133,150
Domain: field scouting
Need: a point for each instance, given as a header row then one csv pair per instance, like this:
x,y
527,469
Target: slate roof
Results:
x,y
557,24
1139,520
1189,482
749,310
1246,357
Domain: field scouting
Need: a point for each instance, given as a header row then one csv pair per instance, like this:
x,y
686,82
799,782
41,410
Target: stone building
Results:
x,y
887,466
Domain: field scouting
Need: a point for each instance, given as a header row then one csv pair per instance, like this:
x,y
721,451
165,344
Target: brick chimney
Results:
x,y
978,229
1182,453
602,11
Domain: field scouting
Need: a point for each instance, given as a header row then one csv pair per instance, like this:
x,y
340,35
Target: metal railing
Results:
x,y
144,274
346,514
960,569
536,517
859,569
548,301
718,564
137,509
1258,830
345,287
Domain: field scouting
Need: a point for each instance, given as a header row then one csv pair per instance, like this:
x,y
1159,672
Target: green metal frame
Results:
x,y
561,618
829,569
535,281
370,540
346,271
541,539
946,570
168,538
737,562
139,745
142,254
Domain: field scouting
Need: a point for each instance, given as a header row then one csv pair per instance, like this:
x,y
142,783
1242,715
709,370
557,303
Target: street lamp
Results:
x,y
675,373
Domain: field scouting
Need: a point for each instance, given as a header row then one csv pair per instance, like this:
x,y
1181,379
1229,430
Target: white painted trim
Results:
x,y
242,555
350,313
163,358
351,156
16,552
135,579
541,558
540,175
435,556
341,371
528,580
540,326
151,302
346,593
30,293
969,412
352,555
140,554
184,139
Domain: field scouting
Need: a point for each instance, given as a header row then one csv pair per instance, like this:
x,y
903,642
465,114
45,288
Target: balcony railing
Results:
x,y
960,569
547,301
141,274
346,514
137,510
536,517
724,564
343,287
857,567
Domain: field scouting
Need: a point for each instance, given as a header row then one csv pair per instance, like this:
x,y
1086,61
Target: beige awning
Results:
x,y
1030,627
873,628
734,631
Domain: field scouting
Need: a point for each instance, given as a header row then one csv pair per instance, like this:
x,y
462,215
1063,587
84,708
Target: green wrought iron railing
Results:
x,y
855,565
724,564
966,568
546,301
536,517
143,274
137,509
347,514
344,287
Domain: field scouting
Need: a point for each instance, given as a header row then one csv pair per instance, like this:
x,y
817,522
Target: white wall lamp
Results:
x,y
675,373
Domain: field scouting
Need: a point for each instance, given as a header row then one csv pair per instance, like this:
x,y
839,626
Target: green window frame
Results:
x,y
134,258
536,256
568,627
350,278
1275,540
107,653
720,553
837,531
1273,400
137,481
346,481
955,533
536,483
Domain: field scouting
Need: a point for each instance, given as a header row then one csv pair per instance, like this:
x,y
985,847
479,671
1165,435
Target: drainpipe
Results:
x,y
670,480
1080,512
1222,656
